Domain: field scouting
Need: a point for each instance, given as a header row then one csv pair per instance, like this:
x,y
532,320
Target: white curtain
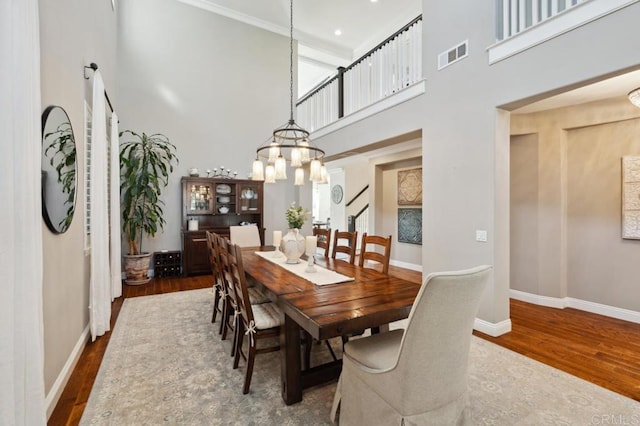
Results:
x,y
21,329
114,213
100,278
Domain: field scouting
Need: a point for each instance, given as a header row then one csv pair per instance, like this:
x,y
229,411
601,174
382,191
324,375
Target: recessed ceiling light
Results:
x,y
374,1
337,32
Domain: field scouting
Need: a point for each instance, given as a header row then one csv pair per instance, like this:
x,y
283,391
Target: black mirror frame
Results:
x,y
57,229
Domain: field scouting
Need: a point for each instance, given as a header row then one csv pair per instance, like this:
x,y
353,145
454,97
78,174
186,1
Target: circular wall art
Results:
x,y
336,194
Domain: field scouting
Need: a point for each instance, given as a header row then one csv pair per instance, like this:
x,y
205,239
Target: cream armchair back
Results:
x,y
419,375
245,236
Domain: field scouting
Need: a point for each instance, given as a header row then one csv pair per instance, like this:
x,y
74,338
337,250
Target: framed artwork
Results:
x,y
410,187
631,198
410,226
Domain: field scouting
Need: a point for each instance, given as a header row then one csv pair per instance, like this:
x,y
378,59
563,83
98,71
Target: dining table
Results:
x,y
366,298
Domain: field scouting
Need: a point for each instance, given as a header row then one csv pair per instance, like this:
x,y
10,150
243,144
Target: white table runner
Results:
x,y
322,276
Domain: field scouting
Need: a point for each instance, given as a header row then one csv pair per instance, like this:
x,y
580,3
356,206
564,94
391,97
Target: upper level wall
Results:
x,y
466,138
385,125
567,61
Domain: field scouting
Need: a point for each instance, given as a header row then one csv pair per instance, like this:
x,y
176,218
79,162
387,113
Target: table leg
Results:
x,y
290,361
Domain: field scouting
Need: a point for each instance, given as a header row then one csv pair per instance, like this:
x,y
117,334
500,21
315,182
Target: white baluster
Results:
x,y
514,17
535,12
396,49
366,65
387,68
522,15
506,33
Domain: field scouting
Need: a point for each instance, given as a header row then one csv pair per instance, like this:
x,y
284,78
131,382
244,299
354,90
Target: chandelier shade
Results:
x,y
288,143
634,97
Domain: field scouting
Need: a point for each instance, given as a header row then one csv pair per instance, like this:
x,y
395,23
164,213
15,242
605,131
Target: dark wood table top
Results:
x,y
371,300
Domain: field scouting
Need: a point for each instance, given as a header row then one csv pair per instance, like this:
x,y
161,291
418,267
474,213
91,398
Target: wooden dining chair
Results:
x,y
348,248
256,295
216,272
324,239
258,322
375,248
227,324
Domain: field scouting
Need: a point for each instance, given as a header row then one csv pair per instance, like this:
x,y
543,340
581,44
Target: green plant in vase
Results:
x,y
146,161
296,216
293,244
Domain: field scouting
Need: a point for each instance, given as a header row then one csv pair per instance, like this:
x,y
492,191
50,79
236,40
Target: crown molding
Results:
x,y
325,49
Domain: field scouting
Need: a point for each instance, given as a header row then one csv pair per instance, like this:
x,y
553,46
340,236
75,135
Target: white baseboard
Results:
x,y
406,265
606,310
536,299
583,305
61,381
492,329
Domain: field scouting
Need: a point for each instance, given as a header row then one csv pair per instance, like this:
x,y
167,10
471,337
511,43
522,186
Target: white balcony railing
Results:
x,y
388,68
514,16
522,24
394,66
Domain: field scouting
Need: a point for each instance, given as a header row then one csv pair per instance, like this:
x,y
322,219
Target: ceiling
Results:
x,y
616,86
363,24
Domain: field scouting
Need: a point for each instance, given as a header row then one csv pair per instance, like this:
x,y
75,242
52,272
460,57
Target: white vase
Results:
x,y
293,245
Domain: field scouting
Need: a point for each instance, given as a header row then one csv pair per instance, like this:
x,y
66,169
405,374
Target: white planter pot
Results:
x,y
293,245
137,268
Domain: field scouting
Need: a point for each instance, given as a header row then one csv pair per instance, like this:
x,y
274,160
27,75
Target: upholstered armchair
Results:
x,y
418,375
245,236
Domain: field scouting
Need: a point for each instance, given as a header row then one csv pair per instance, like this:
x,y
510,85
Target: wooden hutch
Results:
x,y
216,204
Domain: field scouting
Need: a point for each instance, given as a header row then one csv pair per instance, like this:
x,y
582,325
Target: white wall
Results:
x,y
73,33
338,211
322,198
216,87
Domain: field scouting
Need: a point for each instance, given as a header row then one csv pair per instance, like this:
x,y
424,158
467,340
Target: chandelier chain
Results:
x,y
290,142
291,61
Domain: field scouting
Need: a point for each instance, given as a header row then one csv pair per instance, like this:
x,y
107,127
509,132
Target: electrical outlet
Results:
x,y
481,235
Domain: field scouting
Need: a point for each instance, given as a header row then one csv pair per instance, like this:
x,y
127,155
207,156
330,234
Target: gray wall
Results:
x,y
73,33
381,174
216,87
388,215
524,240
601,266
578,152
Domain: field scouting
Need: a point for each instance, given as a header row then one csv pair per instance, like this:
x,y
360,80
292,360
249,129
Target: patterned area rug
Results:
x,y
166,364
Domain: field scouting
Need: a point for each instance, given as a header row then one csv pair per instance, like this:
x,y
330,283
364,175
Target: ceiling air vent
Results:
x,y
454,54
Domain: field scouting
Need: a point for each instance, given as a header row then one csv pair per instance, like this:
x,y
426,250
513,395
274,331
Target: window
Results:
x,y
87,177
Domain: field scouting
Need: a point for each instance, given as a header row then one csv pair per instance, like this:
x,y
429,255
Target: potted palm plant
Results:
x,y
145,164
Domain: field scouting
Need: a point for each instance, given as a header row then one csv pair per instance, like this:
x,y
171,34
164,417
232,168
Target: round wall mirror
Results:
x,y
58,169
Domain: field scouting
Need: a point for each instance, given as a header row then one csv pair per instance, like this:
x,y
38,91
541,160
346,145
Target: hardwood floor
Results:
x,y
599,349
602,350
